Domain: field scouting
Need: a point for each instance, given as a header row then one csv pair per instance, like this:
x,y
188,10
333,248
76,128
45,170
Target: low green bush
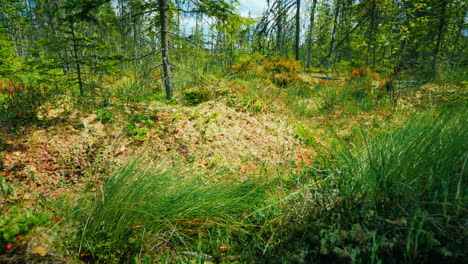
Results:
x,y
198,95
21,100
17,224
104,115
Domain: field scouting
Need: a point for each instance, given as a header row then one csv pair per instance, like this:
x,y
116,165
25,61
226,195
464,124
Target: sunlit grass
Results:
x,y
143,207
398,194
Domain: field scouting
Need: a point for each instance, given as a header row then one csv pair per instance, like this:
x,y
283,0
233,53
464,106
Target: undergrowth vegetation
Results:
x,y
398,193
229,131
383,182
155,211
20,101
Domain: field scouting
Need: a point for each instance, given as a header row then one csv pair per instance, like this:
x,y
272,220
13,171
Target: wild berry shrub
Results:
x,y
247,64
17,224
21,100
283,72
198,95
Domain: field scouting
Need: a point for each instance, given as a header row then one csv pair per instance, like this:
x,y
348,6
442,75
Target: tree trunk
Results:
x,y
309,37
370,36
440,35
332,41
164,50
298,27
75,55
279,32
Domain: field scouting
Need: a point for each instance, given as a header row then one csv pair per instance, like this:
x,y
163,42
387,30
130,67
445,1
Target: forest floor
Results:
x,y
72,149
250,129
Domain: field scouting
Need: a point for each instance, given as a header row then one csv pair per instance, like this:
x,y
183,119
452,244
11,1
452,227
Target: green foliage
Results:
x,y
133,91
362,92
400,193
197,95
104,115
21,100
452,75
137,132
224,12
161,97
141,124
5,187
19,223
10,63
305,135
152,210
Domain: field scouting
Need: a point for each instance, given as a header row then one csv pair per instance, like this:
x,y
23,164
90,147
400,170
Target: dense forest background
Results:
x,y
79,44
179,131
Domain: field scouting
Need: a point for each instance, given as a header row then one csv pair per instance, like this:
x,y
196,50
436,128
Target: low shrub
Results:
x,y
198,95
17,224
305,135
283,72
139,126
247,64
21,100
104,115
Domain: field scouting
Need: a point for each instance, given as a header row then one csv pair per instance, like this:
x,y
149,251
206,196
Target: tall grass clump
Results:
x,y
145,209
134,91
354,97
397,196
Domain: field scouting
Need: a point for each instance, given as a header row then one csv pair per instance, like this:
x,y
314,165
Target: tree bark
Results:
x,y
309,37
333,33
298,27
164,51
279,32
76,57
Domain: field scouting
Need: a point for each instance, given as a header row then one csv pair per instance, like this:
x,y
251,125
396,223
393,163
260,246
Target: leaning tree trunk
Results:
x,y
298,27
333,34
164,51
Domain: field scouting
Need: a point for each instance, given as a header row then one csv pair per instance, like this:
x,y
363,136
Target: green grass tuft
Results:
x,y
144,208
398,195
